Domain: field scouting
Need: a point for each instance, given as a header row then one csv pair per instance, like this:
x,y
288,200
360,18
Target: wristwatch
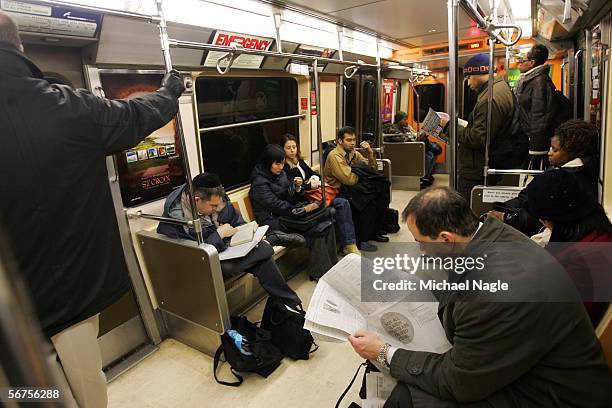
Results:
x,y
382,355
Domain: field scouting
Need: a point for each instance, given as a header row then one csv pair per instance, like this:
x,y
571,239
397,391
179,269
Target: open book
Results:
x,y
244,233
335,311
241,250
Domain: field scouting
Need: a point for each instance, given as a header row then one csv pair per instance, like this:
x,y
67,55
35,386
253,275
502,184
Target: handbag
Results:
x,y
305,222
265,357
287,328
316,194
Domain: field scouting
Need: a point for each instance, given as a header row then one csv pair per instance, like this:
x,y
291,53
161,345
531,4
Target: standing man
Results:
x,y
472,139
533,346
57,206
535,92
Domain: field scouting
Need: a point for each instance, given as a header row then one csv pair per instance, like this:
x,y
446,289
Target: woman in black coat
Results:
x,y
273,196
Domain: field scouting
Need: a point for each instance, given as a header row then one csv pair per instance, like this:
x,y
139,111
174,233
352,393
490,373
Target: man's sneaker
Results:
x,y
279,238
367,247
350,249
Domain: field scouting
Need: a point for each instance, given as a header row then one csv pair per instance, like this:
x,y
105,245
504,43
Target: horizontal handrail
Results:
x,y
102,10
252,122
140,214
515,172
221,48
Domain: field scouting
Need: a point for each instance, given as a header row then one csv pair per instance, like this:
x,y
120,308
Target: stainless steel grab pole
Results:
x,y
315,71
379,98
576,81
453,59
163,35
489,105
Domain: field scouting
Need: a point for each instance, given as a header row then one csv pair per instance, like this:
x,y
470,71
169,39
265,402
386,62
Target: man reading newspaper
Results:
x,y
504,353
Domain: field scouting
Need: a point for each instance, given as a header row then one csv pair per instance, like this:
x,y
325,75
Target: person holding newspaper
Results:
x,y
505,353
472,138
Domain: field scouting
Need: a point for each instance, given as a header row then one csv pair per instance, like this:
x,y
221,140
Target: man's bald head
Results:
x,y
9,31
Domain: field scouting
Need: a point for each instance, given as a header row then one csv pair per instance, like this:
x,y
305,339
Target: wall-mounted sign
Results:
x,y
149,170
250,42
61,20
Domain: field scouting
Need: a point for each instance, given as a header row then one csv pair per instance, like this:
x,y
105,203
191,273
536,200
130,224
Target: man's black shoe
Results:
x,y
279,238
381,238
367,247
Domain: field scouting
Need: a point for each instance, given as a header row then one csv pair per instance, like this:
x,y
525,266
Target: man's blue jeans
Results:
x,y
430,160
344,220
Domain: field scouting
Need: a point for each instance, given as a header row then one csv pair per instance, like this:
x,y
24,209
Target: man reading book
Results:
x,y
219,221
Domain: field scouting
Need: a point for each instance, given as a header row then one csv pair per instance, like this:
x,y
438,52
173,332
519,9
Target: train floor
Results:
x,y
179,376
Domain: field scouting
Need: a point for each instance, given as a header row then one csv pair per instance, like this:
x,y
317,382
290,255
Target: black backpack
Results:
x,y
509,149
265,357
287,328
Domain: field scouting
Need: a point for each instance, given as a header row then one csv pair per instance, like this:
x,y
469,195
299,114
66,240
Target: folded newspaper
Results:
x,y
335,311
434,123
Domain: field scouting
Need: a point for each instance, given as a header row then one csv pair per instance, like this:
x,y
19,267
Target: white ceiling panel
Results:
x,y
413,21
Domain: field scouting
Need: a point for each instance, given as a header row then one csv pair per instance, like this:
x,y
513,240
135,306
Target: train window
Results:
x,y
233,152
152,168
432,96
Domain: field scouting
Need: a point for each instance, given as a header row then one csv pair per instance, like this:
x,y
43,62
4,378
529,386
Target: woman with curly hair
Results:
x,y
571,150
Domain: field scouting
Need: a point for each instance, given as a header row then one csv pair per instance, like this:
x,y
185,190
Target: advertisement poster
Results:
x,y
389,95
152,168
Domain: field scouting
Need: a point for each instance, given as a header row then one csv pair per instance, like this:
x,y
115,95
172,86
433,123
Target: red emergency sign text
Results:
x,y
246,42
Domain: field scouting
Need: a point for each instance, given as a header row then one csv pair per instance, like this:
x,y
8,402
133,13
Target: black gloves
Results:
x,y
173,83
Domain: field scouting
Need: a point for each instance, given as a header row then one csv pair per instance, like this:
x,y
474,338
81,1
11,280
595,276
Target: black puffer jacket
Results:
x,y
56,203
272,196
535,92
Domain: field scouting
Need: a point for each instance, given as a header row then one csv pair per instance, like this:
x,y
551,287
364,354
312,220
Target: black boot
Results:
x,y
280,238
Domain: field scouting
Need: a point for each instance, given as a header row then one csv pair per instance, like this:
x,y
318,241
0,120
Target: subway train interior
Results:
x,y
254,71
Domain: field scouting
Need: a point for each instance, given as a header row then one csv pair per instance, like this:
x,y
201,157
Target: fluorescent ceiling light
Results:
x,y
521,9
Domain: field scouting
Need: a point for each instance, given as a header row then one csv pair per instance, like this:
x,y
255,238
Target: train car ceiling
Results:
x,y
556,22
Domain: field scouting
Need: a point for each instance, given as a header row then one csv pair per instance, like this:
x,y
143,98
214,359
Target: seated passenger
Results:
x,y
432,149
273,196
504,353
575,218
368,202
296,167
219,219
570,150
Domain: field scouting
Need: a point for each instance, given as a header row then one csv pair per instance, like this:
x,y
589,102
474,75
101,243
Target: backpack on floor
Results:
x,y
265,357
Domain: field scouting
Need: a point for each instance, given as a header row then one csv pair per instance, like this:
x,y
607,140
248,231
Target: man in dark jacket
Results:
x,y
472,138
219,221
530,346
56,202
535,92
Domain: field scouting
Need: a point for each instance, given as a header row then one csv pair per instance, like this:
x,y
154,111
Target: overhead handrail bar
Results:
x,y
222,48
350,71
507,42
252,122
165,46
103,10
230,56
489,26
515,172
